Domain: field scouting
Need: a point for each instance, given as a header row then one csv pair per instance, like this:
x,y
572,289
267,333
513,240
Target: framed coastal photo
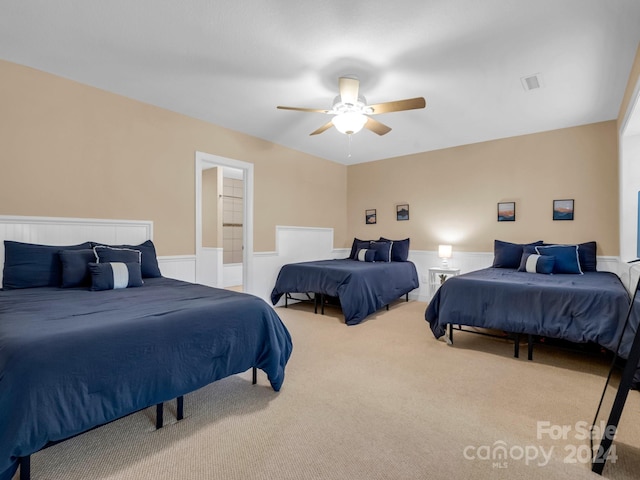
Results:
x,y
507,211
563,209
370,217
402,212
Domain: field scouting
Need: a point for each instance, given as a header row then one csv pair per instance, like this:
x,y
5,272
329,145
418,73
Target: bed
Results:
x,y
78,357
361,286
589,306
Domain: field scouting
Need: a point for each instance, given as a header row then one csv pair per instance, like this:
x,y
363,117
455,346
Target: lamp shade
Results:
x,y
444,251
349,123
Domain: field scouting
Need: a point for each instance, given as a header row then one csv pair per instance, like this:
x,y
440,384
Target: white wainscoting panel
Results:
x,y
425,259
232,275
180,267
293,244
210,272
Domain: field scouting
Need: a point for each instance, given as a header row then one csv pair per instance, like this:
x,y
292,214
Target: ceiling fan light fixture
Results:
x,y
349,123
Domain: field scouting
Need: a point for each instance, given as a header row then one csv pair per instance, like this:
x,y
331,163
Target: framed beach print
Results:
x,y
563,209
370,217
507,211
402,212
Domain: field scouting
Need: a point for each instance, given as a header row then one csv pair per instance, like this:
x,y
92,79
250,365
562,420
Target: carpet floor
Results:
x,y
379,400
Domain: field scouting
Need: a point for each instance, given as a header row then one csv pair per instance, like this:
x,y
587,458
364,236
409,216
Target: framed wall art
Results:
x,y
507,211
402,212
563,209
370,217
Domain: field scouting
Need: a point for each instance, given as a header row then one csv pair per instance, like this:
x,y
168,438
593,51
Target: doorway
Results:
x,y
211,267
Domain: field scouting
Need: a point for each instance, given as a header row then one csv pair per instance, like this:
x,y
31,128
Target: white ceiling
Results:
x,y
231,62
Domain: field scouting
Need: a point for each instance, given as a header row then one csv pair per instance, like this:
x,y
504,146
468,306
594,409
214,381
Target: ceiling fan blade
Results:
x,y
398,105
301,109
348,89
376,127
323,128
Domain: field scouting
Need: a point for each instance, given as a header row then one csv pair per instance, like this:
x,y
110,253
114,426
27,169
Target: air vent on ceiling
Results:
x,y
532,82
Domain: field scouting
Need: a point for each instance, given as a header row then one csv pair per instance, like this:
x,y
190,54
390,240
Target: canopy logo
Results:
x,y
500,453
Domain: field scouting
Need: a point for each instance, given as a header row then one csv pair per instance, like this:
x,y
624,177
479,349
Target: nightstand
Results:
x,y
438,275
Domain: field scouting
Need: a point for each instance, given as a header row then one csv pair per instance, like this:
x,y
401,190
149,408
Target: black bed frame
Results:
x,y
25,462
514,336
588,348
320,299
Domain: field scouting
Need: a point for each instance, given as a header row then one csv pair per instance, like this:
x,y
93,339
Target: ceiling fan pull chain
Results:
x,y
349,155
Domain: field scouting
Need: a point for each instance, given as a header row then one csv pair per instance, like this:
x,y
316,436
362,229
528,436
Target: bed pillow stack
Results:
x,y
509,255
30,265
399,249
567,259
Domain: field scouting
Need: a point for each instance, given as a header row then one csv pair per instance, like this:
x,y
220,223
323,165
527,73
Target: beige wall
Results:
x,y
453,193
67,149
70,150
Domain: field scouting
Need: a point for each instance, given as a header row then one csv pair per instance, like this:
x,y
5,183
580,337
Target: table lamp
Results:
x,y
444,252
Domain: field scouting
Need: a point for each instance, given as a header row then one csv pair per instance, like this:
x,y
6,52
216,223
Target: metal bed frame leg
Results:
x,y
254,376
322,301
159,415
25,467
516,346
530,347
406,296
449,335
180,407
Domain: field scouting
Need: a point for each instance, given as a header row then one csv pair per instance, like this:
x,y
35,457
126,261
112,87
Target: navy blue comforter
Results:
x,y
362,287
72,359
580,308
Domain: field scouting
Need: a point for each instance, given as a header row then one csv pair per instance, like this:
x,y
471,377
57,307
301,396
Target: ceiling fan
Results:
x,y
351,112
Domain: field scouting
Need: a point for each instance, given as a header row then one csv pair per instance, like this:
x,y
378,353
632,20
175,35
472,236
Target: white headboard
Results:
x,y
70,231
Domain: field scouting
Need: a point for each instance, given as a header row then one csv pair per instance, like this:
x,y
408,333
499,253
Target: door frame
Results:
x,y
203,159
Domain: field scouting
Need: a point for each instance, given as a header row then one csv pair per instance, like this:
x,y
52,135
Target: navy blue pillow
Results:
x,y
109,276
75,267
399,249
357,245
366,255
383,250
104,254
28,265
587,256
508,255
566,257
150,268
534,263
